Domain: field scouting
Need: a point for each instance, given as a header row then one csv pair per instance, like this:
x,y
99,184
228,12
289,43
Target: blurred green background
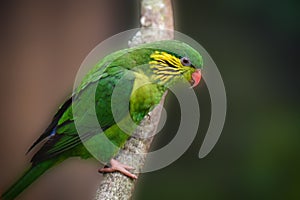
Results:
x,y
255,45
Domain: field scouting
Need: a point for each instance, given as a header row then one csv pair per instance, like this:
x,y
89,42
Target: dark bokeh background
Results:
x,y
255,44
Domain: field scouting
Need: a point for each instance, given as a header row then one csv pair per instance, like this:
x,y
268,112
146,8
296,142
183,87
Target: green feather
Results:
x,y
28,177
120,69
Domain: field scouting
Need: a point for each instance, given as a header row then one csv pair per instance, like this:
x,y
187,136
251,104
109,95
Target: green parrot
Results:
x,y
141,74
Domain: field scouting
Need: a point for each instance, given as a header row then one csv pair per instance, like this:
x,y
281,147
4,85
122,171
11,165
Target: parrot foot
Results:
x,y
117,166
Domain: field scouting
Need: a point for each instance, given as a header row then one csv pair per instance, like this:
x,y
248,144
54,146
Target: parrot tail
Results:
x,y
28,177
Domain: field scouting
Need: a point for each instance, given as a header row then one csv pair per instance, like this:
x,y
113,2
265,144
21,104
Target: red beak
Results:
x,y
196,76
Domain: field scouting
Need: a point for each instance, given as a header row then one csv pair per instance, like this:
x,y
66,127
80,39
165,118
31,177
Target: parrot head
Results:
x,y
173,61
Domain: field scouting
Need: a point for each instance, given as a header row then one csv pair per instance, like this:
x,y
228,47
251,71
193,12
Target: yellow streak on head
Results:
x,y
162,57
160,65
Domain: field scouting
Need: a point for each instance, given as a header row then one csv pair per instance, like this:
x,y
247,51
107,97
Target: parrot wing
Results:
x,y
53,123
63,133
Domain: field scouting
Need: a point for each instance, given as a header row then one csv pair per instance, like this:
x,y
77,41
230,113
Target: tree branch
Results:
x,y
156,16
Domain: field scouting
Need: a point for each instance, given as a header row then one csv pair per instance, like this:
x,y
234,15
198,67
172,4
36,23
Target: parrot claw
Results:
x,y
117,166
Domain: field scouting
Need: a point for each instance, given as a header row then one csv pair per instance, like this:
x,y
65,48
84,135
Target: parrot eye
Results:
x,y
185,61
